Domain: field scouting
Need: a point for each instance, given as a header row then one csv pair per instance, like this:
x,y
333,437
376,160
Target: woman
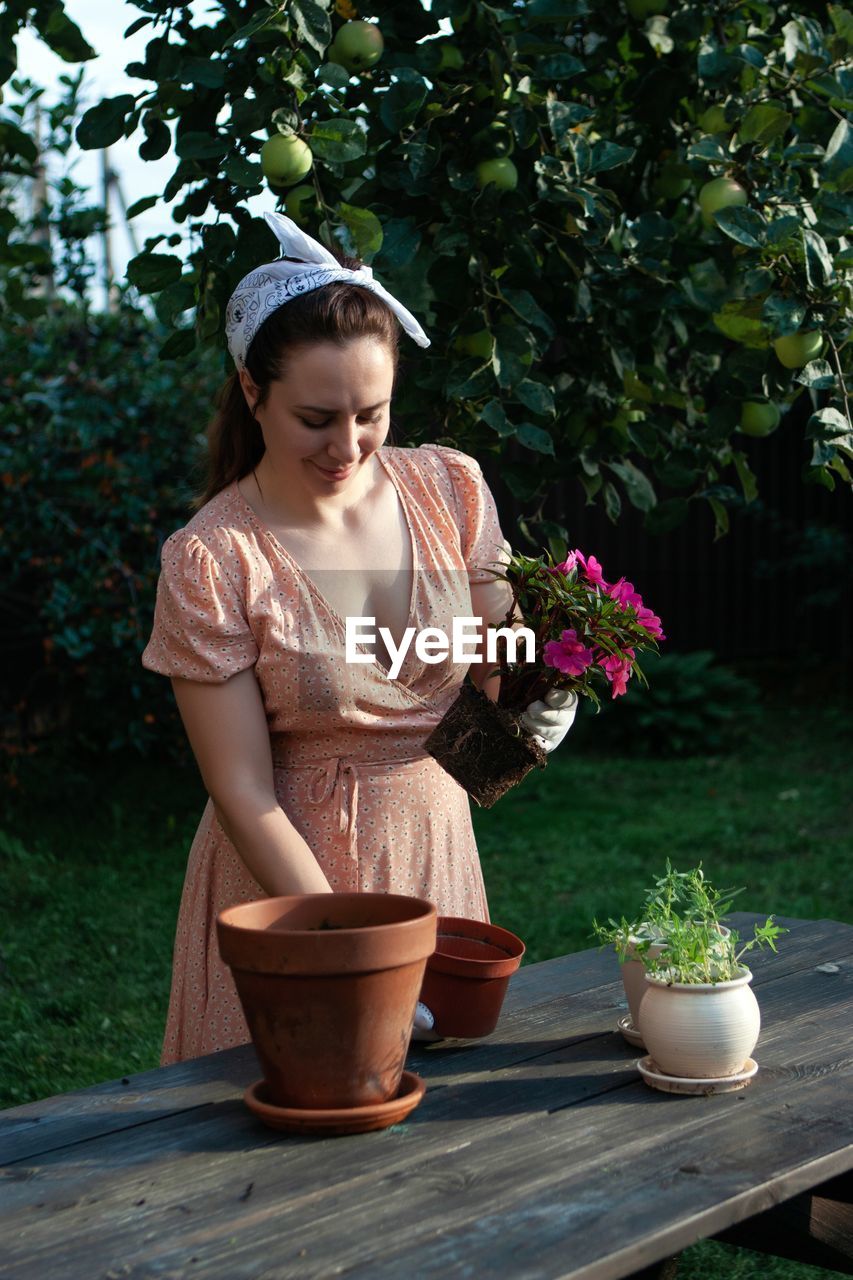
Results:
x,y
315,767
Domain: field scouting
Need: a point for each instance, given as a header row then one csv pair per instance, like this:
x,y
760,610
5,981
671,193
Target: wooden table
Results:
x,y
538,1152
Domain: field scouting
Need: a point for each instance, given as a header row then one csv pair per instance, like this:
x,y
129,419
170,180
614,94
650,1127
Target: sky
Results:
x,y
103,25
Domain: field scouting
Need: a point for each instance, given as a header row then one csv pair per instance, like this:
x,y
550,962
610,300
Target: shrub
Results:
x,y
690,707
97,442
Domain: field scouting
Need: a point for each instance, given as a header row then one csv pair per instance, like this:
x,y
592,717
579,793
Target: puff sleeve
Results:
x,y
480,534
200,627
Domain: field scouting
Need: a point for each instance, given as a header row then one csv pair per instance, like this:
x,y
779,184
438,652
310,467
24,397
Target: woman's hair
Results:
x,y
335,313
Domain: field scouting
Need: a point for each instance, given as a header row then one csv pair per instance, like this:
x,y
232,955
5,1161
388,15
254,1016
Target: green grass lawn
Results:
x,y
92,863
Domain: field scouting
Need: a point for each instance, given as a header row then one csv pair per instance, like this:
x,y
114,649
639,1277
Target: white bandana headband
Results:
x,y
269,287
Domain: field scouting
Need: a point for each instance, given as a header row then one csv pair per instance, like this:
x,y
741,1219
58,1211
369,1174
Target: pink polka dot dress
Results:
x,y
351,772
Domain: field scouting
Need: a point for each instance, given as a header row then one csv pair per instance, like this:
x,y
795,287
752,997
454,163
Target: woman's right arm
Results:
x,y
227,728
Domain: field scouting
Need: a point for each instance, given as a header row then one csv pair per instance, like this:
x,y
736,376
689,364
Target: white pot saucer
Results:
x,y
657,1079
630,1032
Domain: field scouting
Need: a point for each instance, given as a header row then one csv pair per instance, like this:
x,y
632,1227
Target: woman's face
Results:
x,y
327,415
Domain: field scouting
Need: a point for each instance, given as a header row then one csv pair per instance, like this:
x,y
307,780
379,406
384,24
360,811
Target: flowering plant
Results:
x,y
588,632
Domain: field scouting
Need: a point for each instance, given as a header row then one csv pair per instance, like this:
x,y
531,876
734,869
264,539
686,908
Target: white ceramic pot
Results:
x,y
634,973
634,978
700,1030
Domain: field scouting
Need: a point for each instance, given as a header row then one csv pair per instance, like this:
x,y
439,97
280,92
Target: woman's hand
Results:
x,y
550,720
227,728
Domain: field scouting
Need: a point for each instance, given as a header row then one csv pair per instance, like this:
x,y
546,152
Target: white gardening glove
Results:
x,y
424,1026
551,720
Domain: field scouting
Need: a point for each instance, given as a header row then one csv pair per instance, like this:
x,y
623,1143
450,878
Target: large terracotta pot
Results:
x,y
329,984
700,1030
467,976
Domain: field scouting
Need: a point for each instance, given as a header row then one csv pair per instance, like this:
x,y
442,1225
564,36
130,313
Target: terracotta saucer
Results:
x,y
630,1032
378,1115
657,1079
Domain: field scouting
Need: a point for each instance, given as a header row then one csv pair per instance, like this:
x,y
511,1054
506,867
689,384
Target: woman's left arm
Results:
x,y
489,601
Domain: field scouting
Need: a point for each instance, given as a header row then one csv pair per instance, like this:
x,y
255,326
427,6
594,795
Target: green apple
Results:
x,y
357,46
719,193
285,159
499,171
298,201
759,417
645,8
796,349
474,344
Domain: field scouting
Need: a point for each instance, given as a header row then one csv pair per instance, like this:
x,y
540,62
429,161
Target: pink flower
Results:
x,y
567,654
592,570
650,622
626,595
567,566
618,671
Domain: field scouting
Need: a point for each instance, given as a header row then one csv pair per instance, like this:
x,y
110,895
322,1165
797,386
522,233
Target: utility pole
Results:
x,y
107,178
46,285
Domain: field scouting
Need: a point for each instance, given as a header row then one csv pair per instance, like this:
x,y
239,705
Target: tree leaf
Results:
x,y
637,484
261,19
403,100
401,241
782,315
612,501
535,438
242,171
179,343
139,206
494,416
819,266
62,35
312,23
740,319
763,123
104,124
748,483
609,155
337,141
536,396
818,375
200,146
838,161
525,305
558,66
158,138
150,272
364,231
828,424
746,226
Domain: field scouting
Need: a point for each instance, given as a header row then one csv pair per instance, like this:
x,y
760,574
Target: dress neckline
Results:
x,y
385,462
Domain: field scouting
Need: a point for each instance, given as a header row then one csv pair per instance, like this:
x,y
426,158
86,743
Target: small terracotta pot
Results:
x,y
329,983
467,976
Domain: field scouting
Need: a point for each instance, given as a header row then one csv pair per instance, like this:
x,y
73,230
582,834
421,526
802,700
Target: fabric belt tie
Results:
x,y
338,777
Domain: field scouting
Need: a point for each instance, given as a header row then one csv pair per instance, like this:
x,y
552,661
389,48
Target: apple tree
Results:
x,y
620,224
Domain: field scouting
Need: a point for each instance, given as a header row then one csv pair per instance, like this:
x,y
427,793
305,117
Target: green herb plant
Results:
x,y
684,911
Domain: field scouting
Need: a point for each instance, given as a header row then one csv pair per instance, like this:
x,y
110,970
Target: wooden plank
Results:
x,y
38,1127
377,1178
